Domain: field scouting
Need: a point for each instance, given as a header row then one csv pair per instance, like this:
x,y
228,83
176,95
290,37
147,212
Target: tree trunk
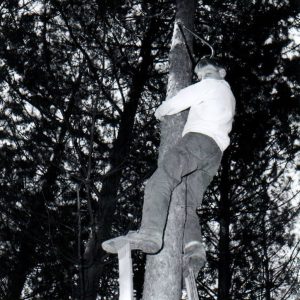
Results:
x,y
163,278
224,220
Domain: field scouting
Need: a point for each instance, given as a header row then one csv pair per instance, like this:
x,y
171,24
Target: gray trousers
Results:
x,y
196,157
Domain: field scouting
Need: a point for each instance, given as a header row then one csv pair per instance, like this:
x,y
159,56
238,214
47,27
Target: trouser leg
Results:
x,y
157,198
194,248
176,164
197,184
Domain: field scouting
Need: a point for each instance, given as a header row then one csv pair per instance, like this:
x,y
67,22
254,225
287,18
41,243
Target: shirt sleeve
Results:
x,y
184,99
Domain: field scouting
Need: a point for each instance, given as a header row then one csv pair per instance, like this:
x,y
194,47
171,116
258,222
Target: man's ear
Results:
x,y
198,74
222,73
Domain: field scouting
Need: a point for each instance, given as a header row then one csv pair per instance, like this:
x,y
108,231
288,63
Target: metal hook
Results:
x,y
200,38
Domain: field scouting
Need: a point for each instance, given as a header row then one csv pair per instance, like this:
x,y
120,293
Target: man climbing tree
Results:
x,y
196,156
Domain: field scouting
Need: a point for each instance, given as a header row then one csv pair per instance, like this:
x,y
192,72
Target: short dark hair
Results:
x,y
209,61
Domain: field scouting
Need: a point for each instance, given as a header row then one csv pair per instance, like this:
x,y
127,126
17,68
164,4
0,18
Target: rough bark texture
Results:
x,y
224,239
163,277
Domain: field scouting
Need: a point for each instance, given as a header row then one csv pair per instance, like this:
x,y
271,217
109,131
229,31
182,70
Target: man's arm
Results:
x,y
184,99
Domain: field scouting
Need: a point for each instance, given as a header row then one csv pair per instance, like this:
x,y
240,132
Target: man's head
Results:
x,y
209,68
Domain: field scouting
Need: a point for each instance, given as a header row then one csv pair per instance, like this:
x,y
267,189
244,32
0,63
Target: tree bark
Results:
x,y
224,238
163,277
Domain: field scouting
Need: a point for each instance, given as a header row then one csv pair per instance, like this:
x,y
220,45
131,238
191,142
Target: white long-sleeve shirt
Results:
x,y
212,107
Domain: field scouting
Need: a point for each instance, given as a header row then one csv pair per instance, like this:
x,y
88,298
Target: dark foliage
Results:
x,y
80,81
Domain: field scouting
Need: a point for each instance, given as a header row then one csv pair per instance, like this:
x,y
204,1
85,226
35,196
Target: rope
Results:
x,y
186,44
181,26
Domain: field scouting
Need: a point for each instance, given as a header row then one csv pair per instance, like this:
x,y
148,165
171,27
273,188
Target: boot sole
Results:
x,y
114,245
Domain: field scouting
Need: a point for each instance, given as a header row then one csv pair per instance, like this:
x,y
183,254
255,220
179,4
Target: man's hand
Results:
x,y
159,114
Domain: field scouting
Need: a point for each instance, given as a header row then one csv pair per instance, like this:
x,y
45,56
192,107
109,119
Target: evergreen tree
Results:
x,y
80,81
